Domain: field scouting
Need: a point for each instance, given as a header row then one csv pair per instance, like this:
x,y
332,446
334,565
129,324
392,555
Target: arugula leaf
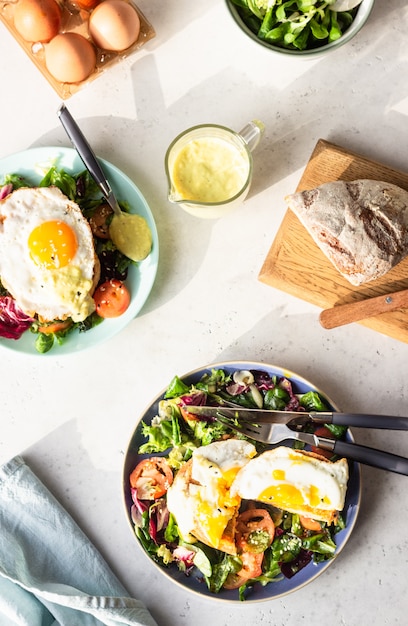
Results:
x,y
221,569
321,543
337,430
176,388
61,179
311,401
276,398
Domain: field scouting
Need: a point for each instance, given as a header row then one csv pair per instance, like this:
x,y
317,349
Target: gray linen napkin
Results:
x,y
50,573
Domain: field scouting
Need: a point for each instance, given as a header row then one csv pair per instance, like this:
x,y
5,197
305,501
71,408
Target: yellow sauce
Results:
x,y
210,170
73,288
131,235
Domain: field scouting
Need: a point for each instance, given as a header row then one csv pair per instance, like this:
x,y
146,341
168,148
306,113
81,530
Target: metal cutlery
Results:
x,y
123,225
357,420
88,157
275,433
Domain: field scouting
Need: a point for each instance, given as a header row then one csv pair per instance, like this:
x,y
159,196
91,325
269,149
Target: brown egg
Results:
x,y
70,58
37,20
114,25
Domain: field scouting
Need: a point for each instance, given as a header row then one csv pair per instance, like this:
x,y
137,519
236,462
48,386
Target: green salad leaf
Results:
x,y
16,181
61,179
294,24
176,388
223,566
312,401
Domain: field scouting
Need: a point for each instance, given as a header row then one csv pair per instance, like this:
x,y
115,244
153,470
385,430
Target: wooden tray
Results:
x,y
296,265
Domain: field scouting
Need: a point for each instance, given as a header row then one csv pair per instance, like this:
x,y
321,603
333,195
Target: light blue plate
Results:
x,y
33,164
194,582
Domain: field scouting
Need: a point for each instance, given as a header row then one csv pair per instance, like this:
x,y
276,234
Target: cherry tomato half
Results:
x,y
112,298
151,478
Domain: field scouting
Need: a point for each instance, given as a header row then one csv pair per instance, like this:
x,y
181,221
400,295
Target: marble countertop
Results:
x,y
71,417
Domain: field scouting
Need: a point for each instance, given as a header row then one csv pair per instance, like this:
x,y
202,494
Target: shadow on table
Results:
x,y
307,107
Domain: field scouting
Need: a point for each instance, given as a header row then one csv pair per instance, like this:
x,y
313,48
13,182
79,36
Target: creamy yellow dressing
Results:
x,y
210,170
73,289
131,235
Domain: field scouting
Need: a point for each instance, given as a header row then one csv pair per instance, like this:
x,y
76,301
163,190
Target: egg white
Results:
x,y
48,293
294,481
199,497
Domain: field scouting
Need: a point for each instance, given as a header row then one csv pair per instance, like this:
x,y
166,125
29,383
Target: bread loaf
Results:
x,y
361,226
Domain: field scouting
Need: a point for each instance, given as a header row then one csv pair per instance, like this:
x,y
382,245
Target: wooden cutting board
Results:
x,y
296,265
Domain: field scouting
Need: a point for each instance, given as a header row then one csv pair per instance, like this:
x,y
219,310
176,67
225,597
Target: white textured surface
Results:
x,y
72,417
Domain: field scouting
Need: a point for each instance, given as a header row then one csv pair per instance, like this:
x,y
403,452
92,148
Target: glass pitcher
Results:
x,y
209,168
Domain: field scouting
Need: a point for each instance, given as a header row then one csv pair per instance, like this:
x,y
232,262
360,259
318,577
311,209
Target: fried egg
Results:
x,y
200,498
295,481
47,257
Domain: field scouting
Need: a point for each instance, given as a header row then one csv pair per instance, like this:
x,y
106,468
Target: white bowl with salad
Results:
x,y
289,553
63,168
298,29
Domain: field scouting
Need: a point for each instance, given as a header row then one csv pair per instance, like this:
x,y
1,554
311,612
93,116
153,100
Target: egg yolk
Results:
x,y
215,506
212,522
229,475
278,474
288,496
52,244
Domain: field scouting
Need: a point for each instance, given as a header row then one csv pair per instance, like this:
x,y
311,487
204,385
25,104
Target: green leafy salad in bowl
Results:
x,y
226,516
61,275
298,26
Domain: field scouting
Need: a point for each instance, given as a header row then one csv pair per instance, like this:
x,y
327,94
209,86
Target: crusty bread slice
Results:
x,y
361,226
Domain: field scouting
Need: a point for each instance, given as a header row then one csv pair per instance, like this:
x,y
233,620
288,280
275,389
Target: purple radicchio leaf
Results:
x,y
13,321
5,190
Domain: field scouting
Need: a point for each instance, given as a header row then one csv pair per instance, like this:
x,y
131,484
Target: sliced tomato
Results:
x,y
322,431
251,568
151,478
55,327
253,522
112,298
310,524
255,531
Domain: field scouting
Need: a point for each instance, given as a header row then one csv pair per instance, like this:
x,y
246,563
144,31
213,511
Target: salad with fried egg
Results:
x,y
59,269
225,508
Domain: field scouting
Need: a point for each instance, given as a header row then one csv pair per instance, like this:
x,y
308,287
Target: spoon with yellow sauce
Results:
x,y
129,232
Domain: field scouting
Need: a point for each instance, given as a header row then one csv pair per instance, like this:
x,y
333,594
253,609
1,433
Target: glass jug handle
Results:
x,y
252,133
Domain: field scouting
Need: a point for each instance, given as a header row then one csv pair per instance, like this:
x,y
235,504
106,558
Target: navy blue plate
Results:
x,y
258,593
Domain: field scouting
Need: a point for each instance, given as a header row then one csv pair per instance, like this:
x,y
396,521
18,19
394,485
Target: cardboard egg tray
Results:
x,y
74,19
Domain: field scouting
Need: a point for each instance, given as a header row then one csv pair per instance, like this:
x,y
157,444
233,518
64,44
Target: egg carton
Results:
x,y
74,19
